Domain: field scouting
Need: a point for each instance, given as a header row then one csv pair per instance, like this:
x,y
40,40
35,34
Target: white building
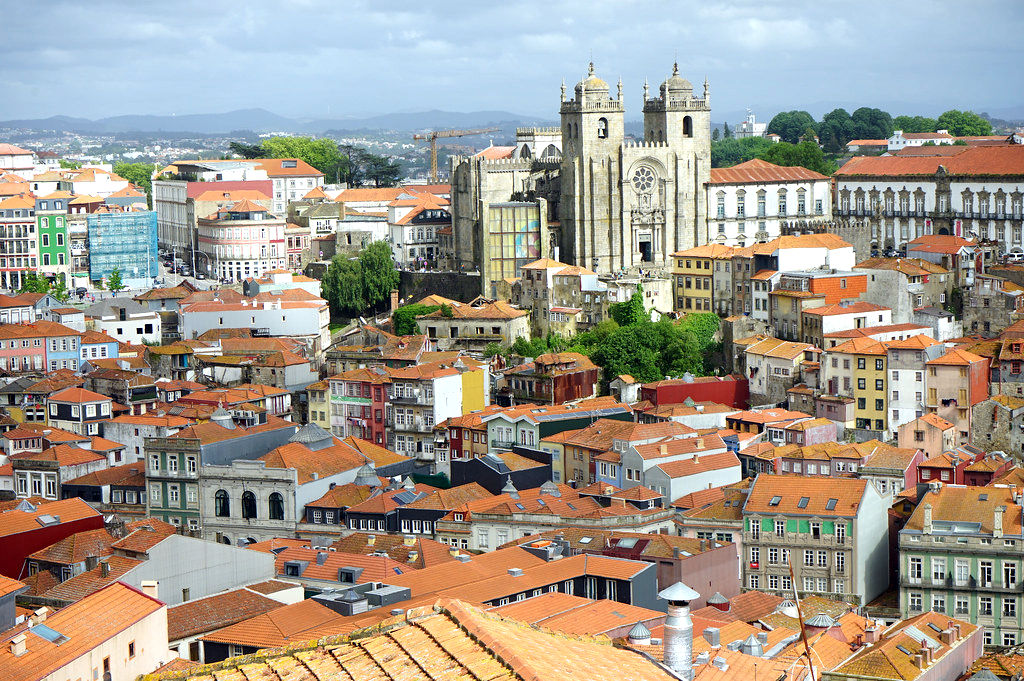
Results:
x,y
972,192
125,319
749,127
748,202
16,160
413,225
118,631
902,140
301,319
242,241
906,364
97,181
292,178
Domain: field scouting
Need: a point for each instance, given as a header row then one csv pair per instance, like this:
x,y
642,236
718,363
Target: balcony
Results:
x,y
413,425
502,444
417,397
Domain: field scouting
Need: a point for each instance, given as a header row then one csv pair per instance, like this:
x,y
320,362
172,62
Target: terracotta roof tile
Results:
x,y
819,492
215,612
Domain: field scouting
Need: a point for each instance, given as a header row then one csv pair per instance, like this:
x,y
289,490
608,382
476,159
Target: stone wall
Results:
x,y
455,285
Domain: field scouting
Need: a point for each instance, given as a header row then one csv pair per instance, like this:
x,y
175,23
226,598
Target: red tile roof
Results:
x,y
757,171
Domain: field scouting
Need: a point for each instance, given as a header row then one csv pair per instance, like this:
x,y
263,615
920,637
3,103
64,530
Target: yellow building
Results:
x,y
319,409
857,368
692,272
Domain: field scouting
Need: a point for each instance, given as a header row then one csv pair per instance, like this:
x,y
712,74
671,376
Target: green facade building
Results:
x,y
961,555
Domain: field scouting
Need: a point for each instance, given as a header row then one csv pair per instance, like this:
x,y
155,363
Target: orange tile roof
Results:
x,y
83,584
324,565
956,357
972,161
860,346
142,539
214,612
791,490
9,586
702,464
957,503
311,464
848,308
88,624
76,548
16,522
418,553
275,167
573,615
62,455
78,395
757,171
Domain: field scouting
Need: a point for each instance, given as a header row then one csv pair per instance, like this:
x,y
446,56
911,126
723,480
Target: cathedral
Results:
x,y
627,203
613,202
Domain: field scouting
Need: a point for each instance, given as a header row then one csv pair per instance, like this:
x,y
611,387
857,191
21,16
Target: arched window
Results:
x,y
248,505
602,128
549,151
276,506
687,126
222,507
525,151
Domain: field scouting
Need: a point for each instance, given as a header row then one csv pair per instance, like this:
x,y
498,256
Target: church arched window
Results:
x,y
248,505
687,126
276,506
525,151
602,128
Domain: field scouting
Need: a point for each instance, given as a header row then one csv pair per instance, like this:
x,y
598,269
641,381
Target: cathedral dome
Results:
x,y
677,83
592,82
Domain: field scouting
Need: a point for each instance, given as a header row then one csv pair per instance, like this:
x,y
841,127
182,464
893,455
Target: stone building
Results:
x,y
625,203
612,203
992,304
998,423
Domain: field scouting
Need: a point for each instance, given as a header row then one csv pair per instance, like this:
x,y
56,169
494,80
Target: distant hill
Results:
x,y
261,120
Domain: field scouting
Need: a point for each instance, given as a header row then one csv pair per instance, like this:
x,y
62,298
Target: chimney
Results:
x,y
663,450
926,653
711,635
871,633
858,642
997,522
149,587
919,660
394,299
105,569
946,636
409,540
699,443
927,529
414,556
453,552
18,647
678,639
39,615
696,457
371,539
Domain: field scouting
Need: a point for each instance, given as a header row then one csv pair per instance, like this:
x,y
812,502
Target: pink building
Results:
x,y
241,241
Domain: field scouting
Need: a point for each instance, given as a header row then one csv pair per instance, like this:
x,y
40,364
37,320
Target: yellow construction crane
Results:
x,y
432,136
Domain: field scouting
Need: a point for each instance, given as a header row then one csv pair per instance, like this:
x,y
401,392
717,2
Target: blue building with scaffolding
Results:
x,y
127,242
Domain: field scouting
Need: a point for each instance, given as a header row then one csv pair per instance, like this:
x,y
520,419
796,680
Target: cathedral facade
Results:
x,y
628,204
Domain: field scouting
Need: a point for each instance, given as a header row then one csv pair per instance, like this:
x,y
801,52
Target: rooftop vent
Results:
x,y
515,572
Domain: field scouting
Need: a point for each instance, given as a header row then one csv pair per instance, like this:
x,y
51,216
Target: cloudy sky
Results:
x,y
309,58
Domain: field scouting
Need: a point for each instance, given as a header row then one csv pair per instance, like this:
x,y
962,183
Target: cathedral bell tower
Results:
x,y
592,135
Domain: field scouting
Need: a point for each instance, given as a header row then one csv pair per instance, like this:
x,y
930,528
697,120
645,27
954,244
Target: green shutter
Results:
x,y
766,525
746,524
805,526
828,527
791,525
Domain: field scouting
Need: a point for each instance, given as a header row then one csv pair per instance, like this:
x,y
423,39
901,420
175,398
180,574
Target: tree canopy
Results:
x,y
790,125
963,123
339,163
115,283
354,286
140,174
915,124
403,320
806,154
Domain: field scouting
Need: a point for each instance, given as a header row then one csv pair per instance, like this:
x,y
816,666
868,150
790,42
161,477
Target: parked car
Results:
x,y
200,275
1015,257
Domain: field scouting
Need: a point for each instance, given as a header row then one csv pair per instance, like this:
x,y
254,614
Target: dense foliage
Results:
x,y
140,174
403,320
833,132
37,283
339,163
354,286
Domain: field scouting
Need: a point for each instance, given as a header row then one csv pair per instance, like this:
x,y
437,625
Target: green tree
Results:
x,y
915,124
715,135
323,154
379,275
806,154
835,130
343,286
69,165
403,319
871,124
246,150
59,290
726,132
140,174
729,152
963,123
34,282
494,348
115,284
629,312
790,125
